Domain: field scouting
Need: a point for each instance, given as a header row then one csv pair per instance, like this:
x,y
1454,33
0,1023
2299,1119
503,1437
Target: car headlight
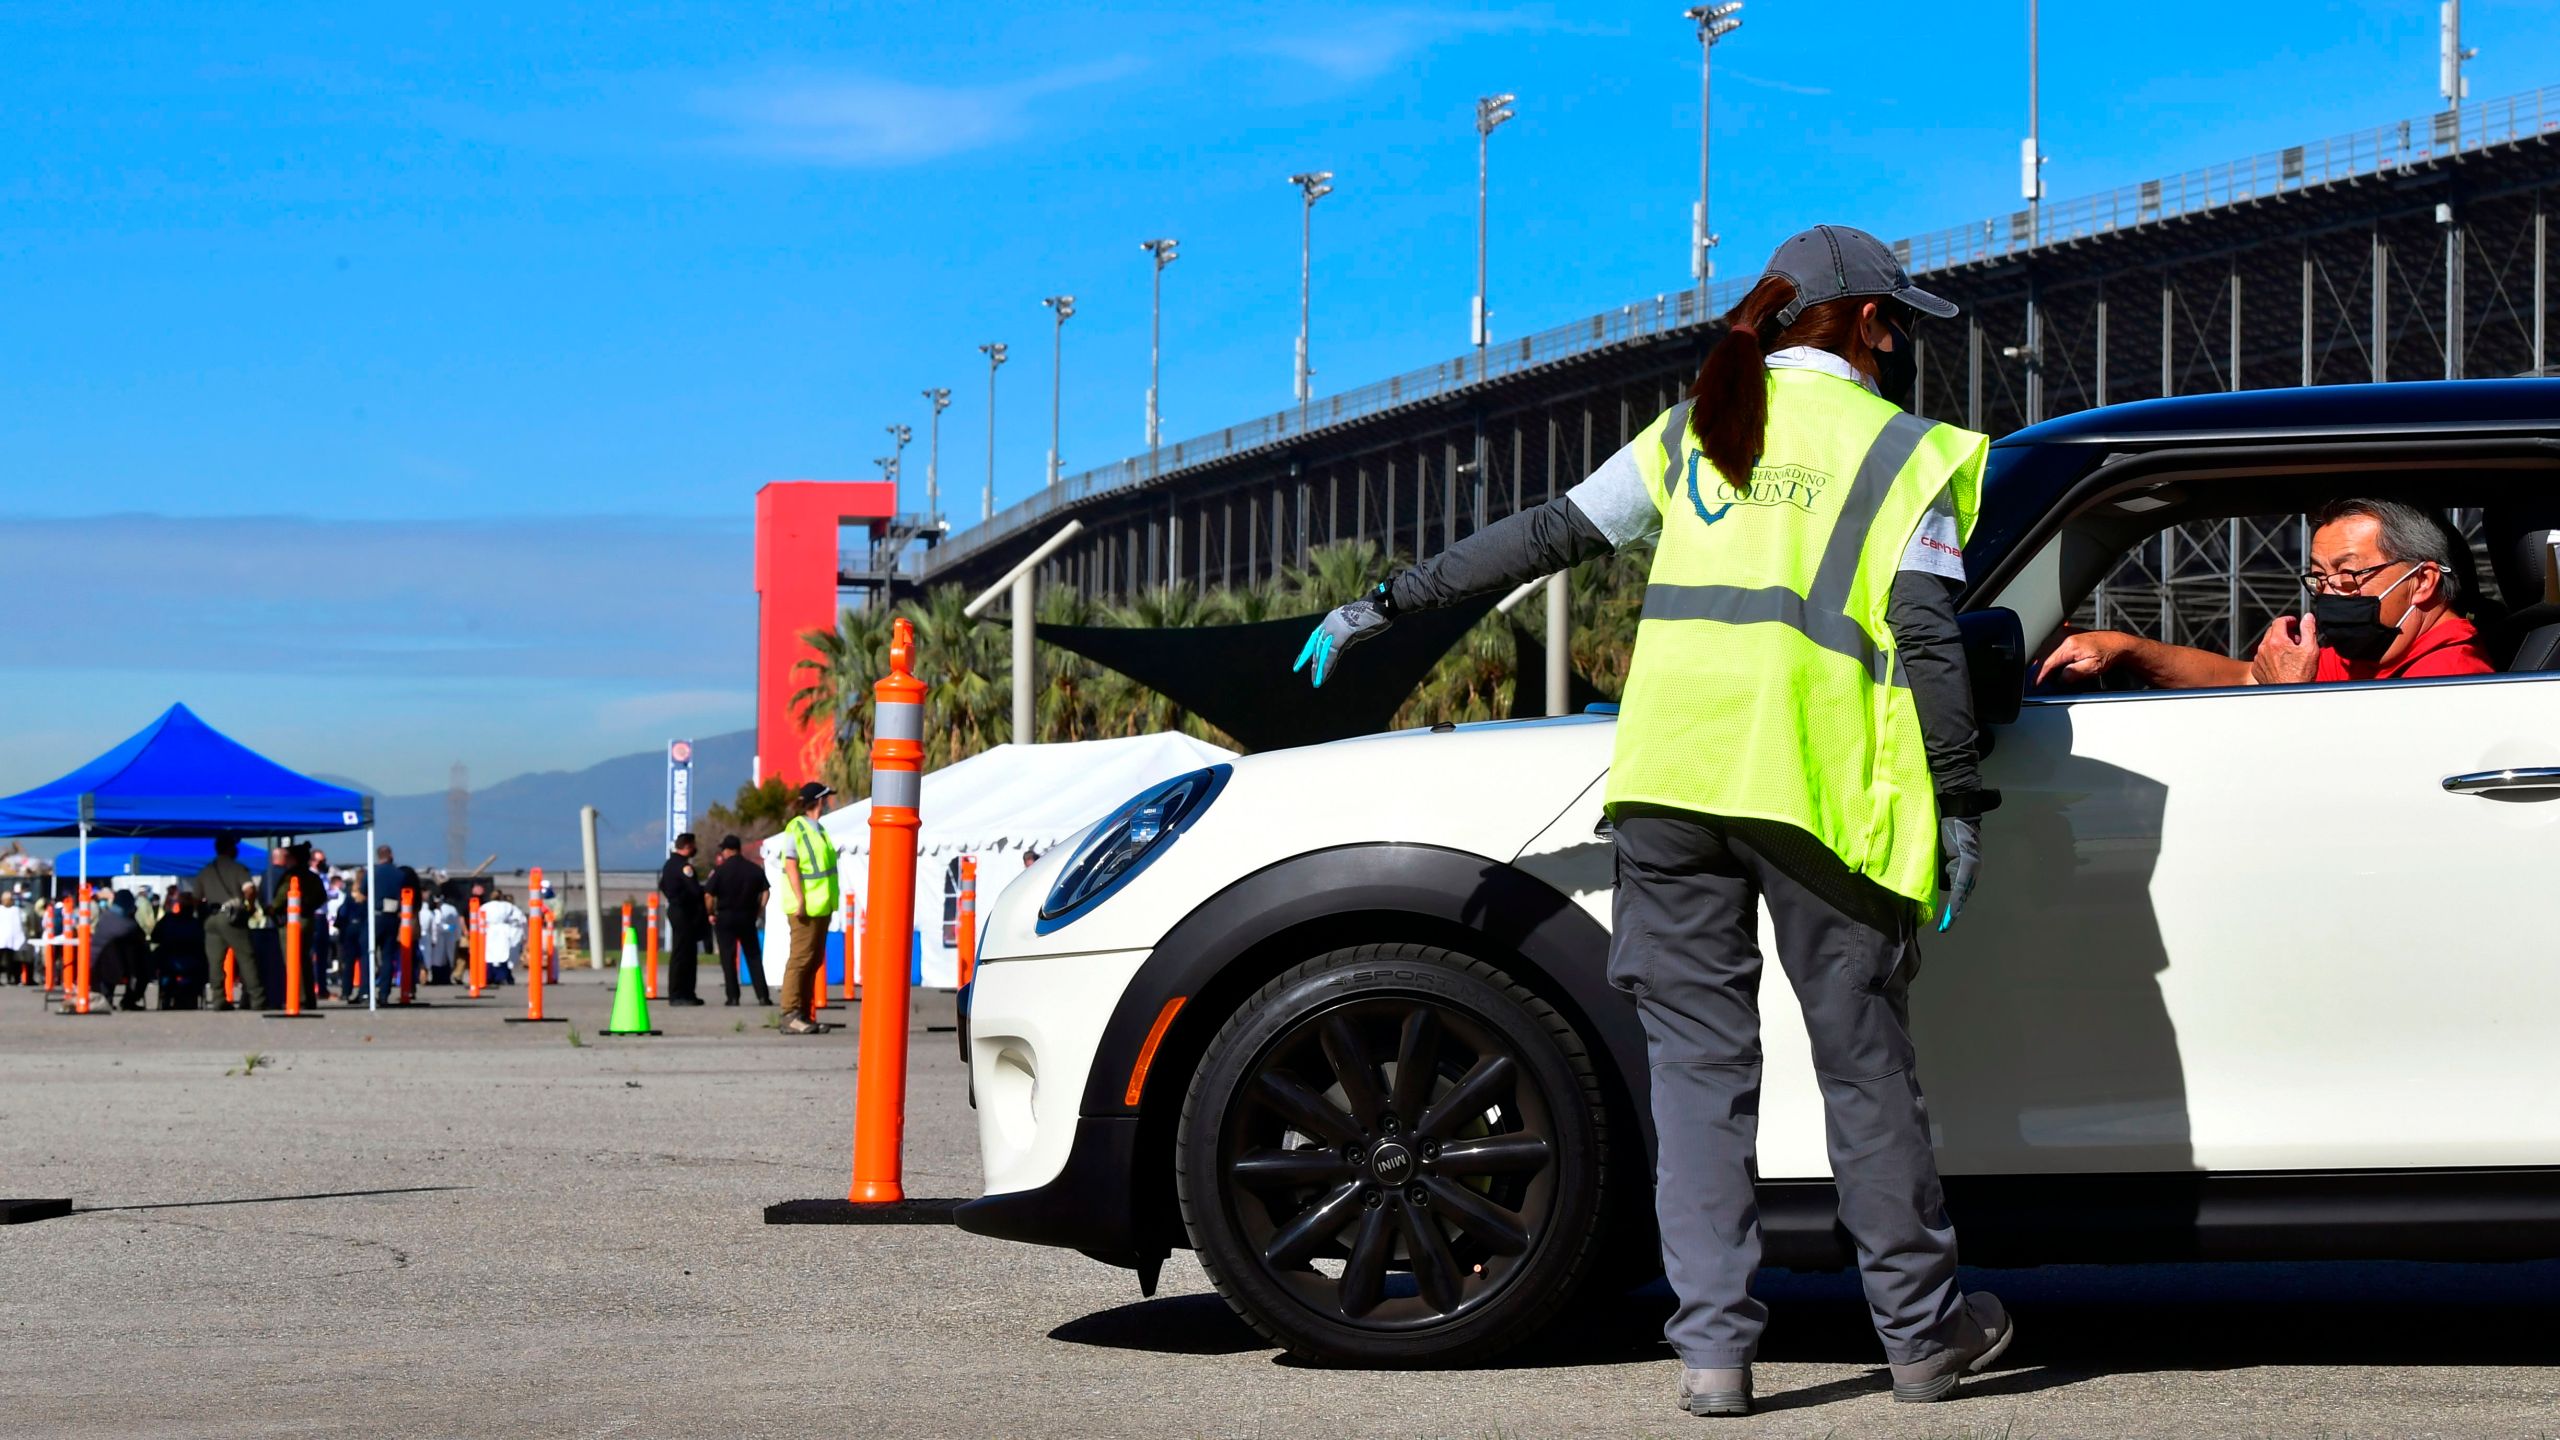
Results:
x,y
1127,843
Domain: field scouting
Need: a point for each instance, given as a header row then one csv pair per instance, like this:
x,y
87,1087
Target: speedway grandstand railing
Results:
x,y
2373,152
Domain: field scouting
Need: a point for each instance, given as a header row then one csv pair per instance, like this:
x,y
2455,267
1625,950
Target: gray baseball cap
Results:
x,y
1829,262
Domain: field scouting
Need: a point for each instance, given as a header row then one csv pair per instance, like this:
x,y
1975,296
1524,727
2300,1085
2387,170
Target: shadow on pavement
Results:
x,y
270,1199
2076,1322
1167,1325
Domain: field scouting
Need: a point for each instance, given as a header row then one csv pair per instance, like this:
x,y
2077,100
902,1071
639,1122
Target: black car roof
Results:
x,y
2403,406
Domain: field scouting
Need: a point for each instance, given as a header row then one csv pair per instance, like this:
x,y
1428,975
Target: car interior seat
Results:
x,y
2526,639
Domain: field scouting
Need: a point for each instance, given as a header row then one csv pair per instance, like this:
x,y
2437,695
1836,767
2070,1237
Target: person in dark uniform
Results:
x,y
177,954
227,897
737,890
685,921
389,879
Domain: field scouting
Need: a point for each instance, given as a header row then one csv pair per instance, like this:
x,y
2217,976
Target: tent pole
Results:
x,y
84,854
372,951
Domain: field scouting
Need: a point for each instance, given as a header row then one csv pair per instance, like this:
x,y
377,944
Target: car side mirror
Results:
x,y
1995,654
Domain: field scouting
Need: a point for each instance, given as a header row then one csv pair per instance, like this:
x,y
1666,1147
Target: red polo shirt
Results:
x,y
2451,646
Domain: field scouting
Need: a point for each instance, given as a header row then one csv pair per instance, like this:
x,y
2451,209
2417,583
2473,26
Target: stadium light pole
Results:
x,y
1491,111
940,400
899,438
1064,308
1314,185
1165,254
994,351
1714,23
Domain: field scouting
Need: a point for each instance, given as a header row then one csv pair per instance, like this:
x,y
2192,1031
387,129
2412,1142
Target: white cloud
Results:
x,y
1366,44
856,121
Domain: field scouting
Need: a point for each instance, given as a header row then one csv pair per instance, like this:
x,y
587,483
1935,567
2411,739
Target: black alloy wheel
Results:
x,y
1394,1155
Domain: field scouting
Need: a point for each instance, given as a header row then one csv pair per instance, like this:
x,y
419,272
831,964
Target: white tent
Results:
x,y
999,806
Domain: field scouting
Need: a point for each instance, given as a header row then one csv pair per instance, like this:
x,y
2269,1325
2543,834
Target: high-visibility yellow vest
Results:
x,y
1764,683
817,856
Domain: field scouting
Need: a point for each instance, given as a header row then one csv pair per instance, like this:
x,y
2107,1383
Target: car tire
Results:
x,y
1438,1213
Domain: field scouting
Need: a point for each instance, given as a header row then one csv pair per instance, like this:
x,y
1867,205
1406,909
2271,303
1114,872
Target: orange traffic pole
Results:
x,y
88,917
408,945
293,945
650,975
897,787
968,936
479,950
231,976
533,948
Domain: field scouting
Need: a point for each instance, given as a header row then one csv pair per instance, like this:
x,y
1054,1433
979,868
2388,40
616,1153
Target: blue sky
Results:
x,y
508,309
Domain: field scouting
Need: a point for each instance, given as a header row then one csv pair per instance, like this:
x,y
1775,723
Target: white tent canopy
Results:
x,y
996,805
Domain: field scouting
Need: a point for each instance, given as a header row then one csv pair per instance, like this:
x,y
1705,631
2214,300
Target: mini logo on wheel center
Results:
x,y
1391,1163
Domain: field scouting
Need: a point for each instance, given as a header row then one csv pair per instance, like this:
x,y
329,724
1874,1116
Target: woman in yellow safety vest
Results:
x,y
1797,732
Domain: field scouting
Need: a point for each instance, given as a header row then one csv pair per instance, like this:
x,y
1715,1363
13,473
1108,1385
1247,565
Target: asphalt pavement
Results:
x,y
434,1224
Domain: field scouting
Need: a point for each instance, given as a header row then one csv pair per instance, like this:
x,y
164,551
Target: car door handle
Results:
x,y
2544,778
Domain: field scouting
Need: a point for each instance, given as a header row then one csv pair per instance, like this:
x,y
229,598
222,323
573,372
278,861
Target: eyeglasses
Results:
x,y
2344,582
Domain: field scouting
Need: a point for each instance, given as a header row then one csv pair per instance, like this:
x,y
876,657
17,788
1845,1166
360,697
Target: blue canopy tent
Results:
x,y
179,777
156,856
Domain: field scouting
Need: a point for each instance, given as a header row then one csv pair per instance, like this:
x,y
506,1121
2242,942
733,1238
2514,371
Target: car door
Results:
x,y
2254,929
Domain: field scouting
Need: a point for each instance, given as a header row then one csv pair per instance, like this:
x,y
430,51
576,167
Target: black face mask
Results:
x,y
1898,369
2352,624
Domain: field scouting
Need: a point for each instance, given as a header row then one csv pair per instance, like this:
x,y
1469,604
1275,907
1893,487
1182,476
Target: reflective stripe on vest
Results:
x,y
1821,613
817,856
1765,683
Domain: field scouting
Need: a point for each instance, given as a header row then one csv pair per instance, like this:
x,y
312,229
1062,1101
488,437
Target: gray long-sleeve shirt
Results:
x,y
1614,507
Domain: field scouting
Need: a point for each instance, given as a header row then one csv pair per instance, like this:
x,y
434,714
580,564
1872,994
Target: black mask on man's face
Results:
x,y
2352,624
1898,369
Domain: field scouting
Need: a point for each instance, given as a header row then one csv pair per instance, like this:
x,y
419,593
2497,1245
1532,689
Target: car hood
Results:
x,y
1486,789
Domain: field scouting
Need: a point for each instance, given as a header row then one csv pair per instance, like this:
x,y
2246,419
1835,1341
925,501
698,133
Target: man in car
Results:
x,y
2385,602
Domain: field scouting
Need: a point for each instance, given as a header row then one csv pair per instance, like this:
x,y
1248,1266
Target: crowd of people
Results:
x,y
177,941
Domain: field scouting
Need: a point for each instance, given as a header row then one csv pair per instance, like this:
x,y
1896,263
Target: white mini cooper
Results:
x,y
2253,973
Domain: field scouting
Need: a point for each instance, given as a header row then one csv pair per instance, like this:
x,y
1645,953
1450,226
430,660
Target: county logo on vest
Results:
x,y
1799,485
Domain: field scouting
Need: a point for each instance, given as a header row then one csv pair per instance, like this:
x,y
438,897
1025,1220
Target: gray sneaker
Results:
x,y
795,1023
1983,1333
1715,1392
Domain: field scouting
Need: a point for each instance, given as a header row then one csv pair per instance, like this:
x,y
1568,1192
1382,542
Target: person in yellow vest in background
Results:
x,y
1797,732
809,889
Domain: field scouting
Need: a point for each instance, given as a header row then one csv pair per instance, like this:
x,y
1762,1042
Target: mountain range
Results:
x,y
532,819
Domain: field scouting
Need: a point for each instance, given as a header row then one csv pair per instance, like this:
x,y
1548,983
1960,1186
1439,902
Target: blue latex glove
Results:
x,y
1347,626
1959,862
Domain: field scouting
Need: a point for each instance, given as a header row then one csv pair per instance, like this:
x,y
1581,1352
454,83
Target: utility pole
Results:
x,y
994,351
1714,23
941,401
2450,81
1491,111
1062,306
1163,251
1314,185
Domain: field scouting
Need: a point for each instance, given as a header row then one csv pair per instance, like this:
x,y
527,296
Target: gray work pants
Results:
x,y
1686,946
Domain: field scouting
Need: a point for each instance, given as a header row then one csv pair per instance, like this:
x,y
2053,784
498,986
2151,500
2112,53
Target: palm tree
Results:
x,y
835,694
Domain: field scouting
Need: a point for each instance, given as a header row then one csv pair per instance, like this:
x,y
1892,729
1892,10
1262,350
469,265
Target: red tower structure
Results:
x,y
800,572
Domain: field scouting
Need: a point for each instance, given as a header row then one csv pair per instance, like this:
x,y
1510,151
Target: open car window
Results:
x,y
2208,561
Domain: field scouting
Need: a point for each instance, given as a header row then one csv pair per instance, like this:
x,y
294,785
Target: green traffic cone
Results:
x,y
630,994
